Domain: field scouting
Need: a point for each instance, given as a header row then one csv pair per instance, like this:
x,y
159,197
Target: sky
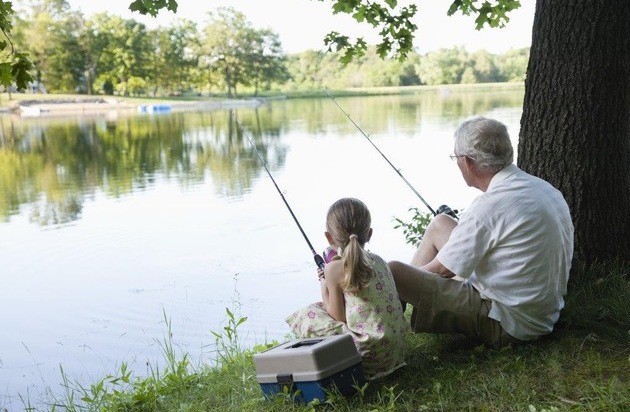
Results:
x,y
303,24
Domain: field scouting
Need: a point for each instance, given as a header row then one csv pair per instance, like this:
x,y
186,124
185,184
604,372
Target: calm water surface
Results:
x,y
116,229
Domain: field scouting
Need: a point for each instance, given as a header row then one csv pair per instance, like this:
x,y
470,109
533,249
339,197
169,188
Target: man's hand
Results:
x,y
435,266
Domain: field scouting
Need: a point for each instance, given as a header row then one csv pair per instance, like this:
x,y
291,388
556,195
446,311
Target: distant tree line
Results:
x,y
311,70
109,55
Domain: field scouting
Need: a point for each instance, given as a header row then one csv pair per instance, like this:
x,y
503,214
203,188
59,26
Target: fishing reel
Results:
x,y
445,210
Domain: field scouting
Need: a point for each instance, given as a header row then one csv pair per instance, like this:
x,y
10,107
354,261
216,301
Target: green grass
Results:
x,y
583,366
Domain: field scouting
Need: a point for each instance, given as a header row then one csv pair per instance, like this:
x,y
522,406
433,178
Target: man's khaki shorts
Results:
x,y
453,306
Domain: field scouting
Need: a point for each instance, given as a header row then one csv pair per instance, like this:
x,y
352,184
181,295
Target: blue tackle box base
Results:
x,y
311,368
344,382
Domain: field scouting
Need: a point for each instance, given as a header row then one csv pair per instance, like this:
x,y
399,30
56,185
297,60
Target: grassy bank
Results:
x,y
583,366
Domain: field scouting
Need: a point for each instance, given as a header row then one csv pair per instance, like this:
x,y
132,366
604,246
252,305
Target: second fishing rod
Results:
x,y
319,261
443,209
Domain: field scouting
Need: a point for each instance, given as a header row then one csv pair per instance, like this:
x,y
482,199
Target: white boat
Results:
x,y
154,108
30,111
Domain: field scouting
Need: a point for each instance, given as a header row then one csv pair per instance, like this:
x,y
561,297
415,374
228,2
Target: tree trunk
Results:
x,y
228,81
575,128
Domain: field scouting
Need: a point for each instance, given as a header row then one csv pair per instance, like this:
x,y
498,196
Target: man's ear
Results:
x,y
470,164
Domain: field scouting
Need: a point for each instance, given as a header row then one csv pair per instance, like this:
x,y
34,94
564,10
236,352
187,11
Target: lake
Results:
x,y
120,230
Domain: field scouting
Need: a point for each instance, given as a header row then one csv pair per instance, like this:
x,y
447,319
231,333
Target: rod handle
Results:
x,y
319,261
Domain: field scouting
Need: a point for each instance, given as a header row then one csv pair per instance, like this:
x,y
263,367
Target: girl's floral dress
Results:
x,y
374,319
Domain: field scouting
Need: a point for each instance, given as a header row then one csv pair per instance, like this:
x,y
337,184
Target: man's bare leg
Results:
x,y
436,235
406,276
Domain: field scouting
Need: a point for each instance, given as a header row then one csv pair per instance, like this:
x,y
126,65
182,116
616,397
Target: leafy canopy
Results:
x,y
393,21
152,7
14,66
494,15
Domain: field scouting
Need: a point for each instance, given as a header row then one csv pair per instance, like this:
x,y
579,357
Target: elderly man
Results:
x,y
499,274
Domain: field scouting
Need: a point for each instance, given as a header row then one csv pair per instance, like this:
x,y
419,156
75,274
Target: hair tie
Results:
x,y
353,236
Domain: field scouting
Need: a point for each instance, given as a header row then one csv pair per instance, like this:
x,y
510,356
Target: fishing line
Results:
x,y
319,261
442,209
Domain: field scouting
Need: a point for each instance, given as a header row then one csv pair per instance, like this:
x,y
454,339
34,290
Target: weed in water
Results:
x,y
227,344
414,230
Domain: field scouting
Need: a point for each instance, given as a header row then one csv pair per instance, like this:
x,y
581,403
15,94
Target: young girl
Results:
x,y
358,294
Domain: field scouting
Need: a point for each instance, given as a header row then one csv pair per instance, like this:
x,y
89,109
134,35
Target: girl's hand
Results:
x,y
320,274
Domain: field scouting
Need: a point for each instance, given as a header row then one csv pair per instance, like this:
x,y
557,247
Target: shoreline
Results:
x,y
52,107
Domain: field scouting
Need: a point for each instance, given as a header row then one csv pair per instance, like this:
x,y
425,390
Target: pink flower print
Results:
x,y
311,314
360,326
379,286
390,309
378,309
379,328
360,308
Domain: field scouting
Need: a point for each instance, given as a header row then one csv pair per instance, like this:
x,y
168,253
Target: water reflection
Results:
x,y
54,165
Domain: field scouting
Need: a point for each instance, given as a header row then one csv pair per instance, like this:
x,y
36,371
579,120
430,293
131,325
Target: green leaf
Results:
x,y
493,14
153,7
5,74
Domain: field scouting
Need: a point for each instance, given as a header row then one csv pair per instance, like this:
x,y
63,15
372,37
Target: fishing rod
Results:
x,y
444,209
319,261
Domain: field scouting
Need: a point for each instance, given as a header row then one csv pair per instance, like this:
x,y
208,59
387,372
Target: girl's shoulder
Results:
x,y
377,259
334,270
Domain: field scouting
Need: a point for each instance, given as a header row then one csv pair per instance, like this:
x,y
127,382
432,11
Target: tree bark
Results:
x,y
575,128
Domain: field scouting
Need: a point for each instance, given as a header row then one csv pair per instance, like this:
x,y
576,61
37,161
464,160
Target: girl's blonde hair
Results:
x,y
349,222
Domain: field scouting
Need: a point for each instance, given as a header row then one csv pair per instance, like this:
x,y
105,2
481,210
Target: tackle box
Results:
x,y
308,368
